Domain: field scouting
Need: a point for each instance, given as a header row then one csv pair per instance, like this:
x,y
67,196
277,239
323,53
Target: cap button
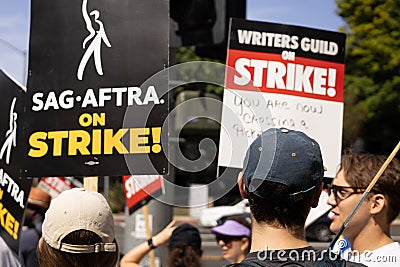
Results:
x,y
284,130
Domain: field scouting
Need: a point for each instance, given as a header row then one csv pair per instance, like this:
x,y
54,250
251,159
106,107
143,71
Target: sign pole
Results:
x,y
91,183
148,233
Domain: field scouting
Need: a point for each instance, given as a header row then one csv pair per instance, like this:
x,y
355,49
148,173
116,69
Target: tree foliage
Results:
x,y
372,80
198,71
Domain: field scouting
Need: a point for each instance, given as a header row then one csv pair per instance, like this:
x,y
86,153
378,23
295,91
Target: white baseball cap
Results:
x,y
79,209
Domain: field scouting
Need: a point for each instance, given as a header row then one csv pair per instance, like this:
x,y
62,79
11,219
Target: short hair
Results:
x,y
278,213
184,256
50,257
360,168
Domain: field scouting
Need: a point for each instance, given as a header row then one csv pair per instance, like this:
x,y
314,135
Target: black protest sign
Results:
x,y
13,190
14,193
11,124
90,61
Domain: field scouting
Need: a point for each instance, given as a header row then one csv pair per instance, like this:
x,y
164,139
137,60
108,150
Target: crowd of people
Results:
x,y
282,178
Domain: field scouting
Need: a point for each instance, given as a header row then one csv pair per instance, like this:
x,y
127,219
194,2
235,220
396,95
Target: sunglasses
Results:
x,y
342,192
227,239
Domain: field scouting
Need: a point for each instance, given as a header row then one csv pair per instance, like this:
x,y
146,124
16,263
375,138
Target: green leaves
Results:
x,y
372,80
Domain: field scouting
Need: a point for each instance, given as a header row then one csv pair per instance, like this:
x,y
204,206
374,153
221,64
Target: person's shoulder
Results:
x,y
252,260
330,258
275,258
393,247
28,236
306,257
29,232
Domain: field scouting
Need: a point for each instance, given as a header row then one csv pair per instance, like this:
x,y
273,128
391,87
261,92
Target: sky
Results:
x,y
15,17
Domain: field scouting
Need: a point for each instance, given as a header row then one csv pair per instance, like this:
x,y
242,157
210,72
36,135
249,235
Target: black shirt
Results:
x,y
304,257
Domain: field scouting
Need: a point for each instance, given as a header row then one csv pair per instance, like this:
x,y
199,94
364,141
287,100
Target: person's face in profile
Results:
x,y
233,247
343,198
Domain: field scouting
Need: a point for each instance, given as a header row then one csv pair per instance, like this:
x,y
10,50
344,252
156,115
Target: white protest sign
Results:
x,y
140,226
282,76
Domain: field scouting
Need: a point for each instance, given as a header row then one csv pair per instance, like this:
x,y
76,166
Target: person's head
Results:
x,y
382,204
37,205
282,178
185,247
234,238
78,230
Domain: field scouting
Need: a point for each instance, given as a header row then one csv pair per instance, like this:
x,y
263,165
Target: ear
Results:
x,y
245,244
315,198
377,203
241,186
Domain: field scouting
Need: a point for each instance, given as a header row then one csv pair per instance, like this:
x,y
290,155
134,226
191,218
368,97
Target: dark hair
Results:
x,y
360,168
185,234
50,257
275,212
38,209
246,223
184,256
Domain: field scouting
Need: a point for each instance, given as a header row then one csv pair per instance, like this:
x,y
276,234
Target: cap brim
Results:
x,y
231,228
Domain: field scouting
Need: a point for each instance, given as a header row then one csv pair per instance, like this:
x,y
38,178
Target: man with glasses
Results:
x,y
282,179
369,230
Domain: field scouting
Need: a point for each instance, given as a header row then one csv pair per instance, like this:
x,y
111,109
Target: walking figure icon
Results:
x,y
96,38
11,134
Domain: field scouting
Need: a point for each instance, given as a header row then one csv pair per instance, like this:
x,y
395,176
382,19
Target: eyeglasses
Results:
x,y
341,192
227,239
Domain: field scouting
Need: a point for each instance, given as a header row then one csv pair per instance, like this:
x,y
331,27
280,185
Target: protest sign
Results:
x,y
89,62
55,185
14,194
282,76
11,124
140,189
14,191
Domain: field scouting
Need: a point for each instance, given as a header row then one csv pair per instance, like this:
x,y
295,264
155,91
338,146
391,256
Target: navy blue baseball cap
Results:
x,y
286,157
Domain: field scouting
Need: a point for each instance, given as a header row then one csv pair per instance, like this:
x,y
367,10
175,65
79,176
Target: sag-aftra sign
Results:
x,y
92,106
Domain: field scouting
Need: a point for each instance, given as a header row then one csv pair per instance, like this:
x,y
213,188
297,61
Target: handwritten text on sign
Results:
x,y
282,76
